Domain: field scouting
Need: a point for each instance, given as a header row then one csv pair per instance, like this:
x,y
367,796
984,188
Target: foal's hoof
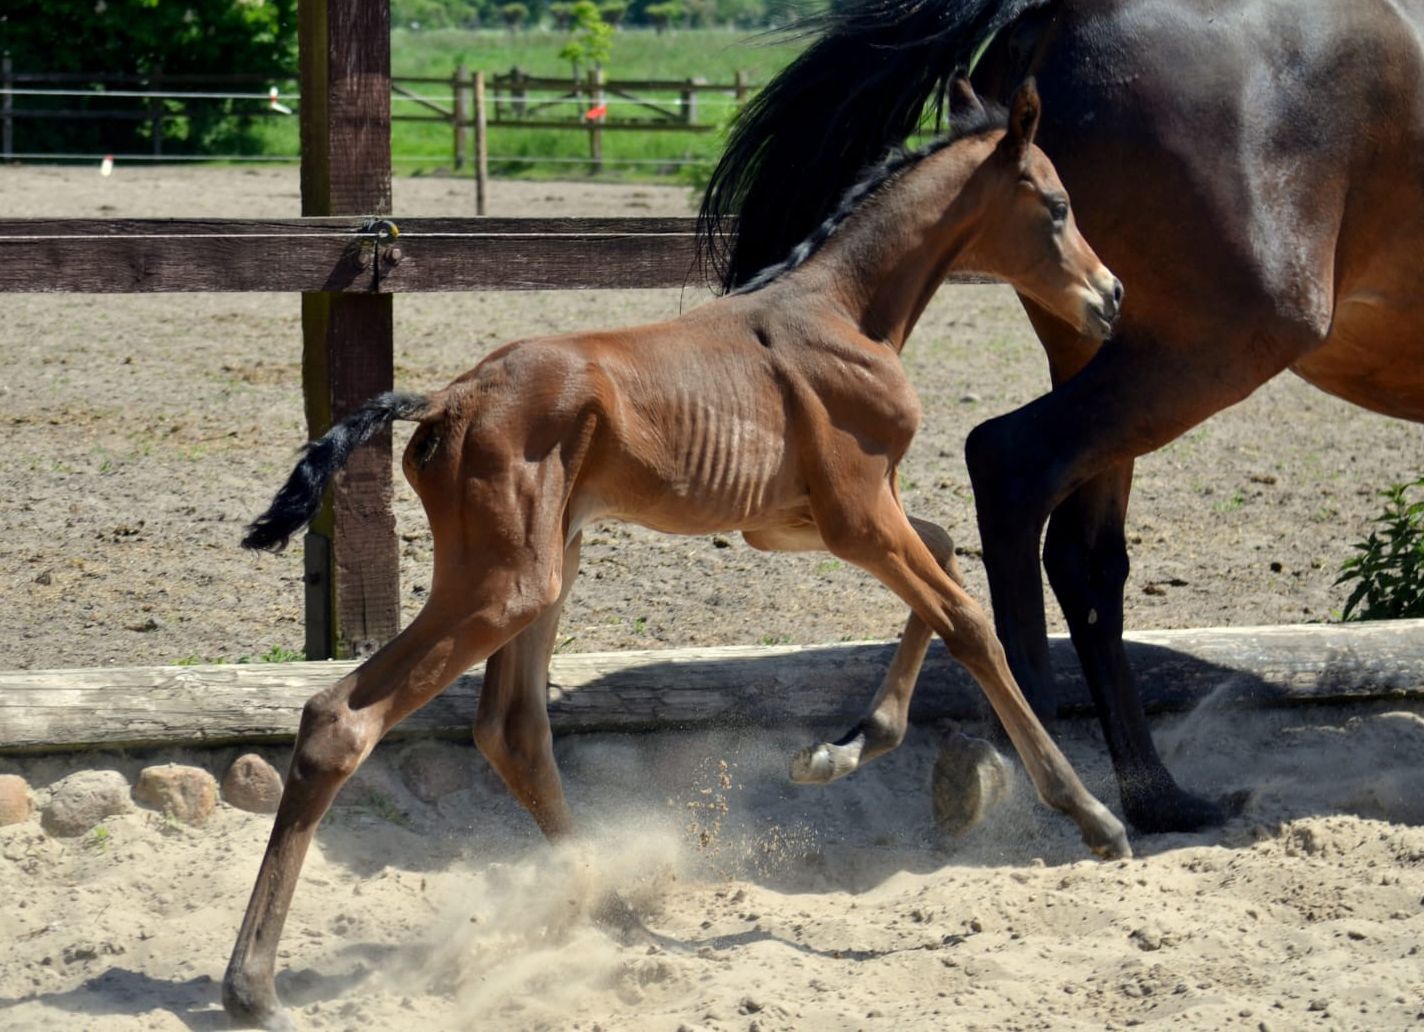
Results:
x,y
614,916
1104,833
272,1018
970,778
822,764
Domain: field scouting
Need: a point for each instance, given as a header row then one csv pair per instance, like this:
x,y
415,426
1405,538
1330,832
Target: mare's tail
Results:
x,y
860,88
300,497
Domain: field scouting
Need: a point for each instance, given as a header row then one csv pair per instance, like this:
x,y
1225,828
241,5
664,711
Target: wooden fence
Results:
x,y
589,104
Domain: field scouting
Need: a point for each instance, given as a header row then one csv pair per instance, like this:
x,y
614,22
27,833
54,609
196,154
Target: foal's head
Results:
x,y
1028,235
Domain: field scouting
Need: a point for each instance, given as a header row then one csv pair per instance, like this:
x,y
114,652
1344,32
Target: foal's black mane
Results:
x,y
872,69
871,182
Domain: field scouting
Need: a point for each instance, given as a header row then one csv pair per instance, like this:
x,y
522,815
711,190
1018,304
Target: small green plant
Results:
x,y
384,807
276,654
1232,504
98,840
1389,565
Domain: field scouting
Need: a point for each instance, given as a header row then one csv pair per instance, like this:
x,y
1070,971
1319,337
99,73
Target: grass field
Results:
x,y
715,55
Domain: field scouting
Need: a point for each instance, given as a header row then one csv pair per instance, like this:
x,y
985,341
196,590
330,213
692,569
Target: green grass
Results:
x,y
427,147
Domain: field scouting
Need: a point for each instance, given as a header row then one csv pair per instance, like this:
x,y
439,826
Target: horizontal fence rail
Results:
x,y
346,255
337,254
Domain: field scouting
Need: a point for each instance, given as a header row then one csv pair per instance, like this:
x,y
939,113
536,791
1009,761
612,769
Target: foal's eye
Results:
x,y
1058,209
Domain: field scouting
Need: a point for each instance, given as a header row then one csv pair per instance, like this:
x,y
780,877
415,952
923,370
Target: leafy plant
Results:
x,y
1389,564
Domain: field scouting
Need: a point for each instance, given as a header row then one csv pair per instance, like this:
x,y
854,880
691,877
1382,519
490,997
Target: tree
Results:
x,y
148,37
613,12
563,14
664,15
592,39
514,15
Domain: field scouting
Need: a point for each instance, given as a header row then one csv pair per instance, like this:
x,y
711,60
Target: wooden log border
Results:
x,y
145,707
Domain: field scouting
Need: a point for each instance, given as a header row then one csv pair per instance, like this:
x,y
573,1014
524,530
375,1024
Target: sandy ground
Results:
x,y
142,432
775,907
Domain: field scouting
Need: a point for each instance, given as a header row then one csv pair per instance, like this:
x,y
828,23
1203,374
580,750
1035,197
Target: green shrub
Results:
x,y
1389,564
146,37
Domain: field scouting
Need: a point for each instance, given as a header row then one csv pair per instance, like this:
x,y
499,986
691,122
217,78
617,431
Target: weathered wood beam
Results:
x,y
111,708
133,256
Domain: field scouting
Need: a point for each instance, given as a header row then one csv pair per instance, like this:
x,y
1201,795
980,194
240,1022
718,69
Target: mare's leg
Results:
x,y
1069,454
512,722
884,724
881,541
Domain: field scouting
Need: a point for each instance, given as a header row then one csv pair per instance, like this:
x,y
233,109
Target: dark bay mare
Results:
x,y
781,411
1253,170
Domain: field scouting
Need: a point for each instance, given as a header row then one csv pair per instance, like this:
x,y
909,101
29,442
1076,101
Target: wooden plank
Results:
x,y
315,254
110,708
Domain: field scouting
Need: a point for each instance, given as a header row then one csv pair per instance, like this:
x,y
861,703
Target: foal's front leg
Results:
x,y
885,722
886,546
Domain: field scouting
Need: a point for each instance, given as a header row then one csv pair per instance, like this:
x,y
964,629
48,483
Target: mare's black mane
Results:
x,y
872,181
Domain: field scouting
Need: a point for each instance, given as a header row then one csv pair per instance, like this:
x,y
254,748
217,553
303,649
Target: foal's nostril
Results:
x,y
1117,292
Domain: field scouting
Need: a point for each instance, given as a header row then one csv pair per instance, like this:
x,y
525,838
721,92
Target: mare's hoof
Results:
x,y
1158,806
822,764
970,778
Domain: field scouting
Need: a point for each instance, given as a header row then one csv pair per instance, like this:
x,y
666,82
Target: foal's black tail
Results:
x,y
300,497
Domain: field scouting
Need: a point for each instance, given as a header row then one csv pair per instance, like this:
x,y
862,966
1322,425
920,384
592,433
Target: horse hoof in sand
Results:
x,y
970,778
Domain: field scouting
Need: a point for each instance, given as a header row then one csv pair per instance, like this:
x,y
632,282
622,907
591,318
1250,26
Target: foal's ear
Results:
x,y
1024,110
963,101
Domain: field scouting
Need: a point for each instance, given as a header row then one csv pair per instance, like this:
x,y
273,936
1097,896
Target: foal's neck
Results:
x,y
887,260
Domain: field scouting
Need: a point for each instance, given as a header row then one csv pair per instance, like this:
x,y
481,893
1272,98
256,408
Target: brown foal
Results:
x,y
780,411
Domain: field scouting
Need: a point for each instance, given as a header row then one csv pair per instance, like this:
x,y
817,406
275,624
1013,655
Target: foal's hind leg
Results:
x,y
512,723
884,724
339,728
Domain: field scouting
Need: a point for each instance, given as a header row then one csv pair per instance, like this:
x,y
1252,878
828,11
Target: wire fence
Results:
x,y
512,101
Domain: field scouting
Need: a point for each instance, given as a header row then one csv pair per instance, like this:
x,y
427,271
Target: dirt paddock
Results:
x,y
142,432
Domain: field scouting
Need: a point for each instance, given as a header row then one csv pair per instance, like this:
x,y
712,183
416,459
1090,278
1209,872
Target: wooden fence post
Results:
x,y
460,117
743,86
518,92
353,597
689,100
7,104
595,125
481,146
155,111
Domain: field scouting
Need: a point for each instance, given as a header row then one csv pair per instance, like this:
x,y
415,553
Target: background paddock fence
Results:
x,y
469,100
143,707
